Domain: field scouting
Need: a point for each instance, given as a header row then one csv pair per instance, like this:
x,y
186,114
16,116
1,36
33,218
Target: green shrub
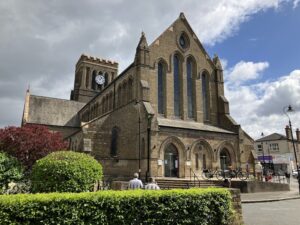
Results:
x,y
209,206
65,171
10,170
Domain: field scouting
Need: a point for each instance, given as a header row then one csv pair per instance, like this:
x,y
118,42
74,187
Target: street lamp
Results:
x,y
286,110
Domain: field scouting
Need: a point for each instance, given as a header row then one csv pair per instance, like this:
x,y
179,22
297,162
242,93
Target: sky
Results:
x,y
257,41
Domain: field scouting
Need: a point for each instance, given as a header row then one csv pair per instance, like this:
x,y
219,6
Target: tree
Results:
x,y
30,143
65,171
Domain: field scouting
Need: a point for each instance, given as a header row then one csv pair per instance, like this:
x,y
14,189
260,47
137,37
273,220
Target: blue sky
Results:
x,y
257,41
272,35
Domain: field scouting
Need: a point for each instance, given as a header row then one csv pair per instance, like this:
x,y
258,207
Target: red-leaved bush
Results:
x,y
30,143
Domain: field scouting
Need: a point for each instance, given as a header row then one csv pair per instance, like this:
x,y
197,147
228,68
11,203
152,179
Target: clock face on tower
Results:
x,y
100,79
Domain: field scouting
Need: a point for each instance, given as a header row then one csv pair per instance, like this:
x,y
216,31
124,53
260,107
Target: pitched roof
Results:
x,y
163,122
272,137
183,19
53,111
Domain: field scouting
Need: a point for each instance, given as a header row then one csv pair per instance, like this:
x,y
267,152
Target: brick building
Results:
x,y
165,115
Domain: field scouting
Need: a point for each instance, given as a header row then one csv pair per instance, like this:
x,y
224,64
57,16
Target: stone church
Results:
x,y
165,115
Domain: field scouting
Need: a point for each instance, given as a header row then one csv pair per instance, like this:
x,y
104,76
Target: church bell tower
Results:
x,y
92,75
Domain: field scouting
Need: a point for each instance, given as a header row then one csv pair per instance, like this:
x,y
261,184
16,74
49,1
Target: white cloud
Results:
x,y
295,3
244,71
40,41
259,107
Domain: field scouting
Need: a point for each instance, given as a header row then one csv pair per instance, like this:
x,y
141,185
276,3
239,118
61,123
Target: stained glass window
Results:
x,y
176,86
190,96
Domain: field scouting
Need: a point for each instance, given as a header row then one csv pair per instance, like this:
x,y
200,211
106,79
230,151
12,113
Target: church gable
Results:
x,y
179,38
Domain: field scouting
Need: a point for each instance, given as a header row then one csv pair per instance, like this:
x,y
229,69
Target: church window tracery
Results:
x,y
190,67
177,86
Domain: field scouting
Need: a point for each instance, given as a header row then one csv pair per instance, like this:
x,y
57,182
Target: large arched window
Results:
x,y
177,86
161,76
114,142
205,96
190,67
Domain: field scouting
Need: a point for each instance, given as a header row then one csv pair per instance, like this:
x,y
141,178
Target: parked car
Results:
x,y
294,173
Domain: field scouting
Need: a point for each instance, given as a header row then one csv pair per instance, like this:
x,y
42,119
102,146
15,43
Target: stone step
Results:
x,y
185,183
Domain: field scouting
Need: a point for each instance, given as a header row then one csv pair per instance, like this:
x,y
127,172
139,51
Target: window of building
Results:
x,y
259,148
177,86
130,90
274,147
106,79
205,100
114,142
161,73
183,41
190,95
94,84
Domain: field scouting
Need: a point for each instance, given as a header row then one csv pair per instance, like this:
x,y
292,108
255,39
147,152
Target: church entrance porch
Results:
x,y
171,161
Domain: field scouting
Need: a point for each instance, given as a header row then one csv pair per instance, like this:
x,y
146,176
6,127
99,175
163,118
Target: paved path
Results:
x,y
272,208
272,196
272,213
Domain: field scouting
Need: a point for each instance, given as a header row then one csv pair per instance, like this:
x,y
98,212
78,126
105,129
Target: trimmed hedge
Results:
x,y
211,206
65,171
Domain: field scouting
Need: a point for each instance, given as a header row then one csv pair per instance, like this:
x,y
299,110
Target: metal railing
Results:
x,y
195,178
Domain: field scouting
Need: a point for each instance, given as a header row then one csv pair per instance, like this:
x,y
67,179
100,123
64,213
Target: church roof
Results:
x,y
53,111
190,125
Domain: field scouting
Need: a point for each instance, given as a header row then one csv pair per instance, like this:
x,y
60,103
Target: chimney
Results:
x,y
288,132
298,134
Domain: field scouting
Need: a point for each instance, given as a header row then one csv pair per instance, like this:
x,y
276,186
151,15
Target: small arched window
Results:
x,y
161,76
114,142
130,90
106,79
94,84
124,101
119,96
110,101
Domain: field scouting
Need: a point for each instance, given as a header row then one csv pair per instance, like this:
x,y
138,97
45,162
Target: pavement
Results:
x,y
259,197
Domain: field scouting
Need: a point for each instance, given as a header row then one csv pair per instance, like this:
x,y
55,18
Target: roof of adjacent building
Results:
x,y
53,111
190,125
273,137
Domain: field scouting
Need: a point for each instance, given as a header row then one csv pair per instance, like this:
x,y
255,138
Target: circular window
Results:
x,y
183,41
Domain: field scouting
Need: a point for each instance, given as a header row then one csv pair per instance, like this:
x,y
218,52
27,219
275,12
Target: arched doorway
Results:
x,y
225,159
171,161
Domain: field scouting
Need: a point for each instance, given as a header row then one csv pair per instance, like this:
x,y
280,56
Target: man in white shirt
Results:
x,y
259,171
152,185
135,183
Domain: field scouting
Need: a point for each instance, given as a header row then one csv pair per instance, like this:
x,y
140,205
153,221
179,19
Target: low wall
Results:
x,y
258,186
237,206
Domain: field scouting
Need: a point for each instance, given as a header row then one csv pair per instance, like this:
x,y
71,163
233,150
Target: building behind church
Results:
x,y
165,115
